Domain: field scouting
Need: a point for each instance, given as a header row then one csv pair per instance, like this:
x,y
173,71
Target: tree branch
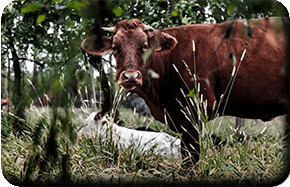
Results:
x,y
35,61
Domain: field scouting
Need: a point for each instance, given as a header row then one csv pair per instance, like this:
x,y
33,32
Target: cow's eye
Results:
x,y
115,49
144,47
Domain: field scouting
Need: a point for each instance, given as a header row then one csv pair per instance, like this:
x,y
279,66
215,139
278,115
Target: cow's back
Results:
x,y
261,86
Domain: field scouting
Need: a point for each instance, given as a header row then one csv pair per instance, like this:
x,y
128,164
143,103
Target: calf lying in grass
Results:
x,y
161,143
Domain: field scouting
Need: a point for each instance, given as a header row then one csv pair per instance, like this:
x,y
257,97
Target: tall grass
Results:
x,y
29,160
258,160
50,153
238,162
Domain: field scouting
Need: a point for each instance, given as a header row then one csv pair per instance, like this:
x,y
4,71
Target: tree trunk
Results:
x,y
93,88
96,62
17,93
106,106
111,76
34,76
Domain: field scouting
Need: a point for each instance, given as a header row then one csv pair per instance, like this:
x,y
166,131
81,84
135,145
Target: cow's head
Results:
x,y
129,42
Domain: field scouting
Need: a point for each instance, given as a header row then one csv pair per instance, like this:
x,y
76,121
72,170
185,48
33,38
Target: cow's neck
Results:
x,y
152,100
156,92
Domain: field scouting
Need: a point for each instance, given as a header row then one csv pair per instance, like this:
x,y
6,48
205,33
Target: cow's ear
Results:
x,y
97,45
160,41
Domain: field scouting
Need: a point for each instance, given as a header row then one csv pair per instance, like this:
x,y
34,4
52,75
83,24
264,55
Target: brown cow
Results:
x,y
5,102
260,89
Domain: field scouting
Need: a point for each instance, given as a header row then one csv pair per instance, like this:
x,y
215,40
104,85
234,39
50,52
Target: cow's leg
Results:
x,y
190,138
190,147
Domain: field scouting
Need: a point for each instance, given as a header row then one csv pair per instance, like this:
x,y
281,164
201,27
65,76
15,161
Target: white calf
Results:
x,y
164,144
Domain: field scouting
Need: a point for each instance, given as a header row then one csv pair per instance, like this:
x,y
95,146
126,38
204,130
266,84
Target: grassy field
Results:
x,y
50,153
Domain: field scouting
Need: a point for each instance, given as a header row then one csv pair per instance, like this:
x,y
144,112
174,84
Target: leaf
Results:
x,y
249,32
32,7
60,7
248,29
153,74
232,9
207,81
147,54
76,5
192,93
118,11
40,18
245,22
174,13
69,23
232,58
227,33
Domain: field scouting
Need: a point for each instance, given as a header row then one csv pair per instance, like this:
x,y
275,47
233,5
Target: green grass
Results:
x,y
27,160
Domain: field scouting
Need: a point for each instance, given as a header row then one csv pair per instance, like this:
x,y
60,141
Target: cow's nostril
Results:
x,y
130,75
125,76
130,79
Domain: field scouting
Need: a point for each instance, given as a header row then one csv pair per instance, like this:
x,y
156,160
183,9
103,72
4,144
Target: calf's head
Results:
x,y
131,44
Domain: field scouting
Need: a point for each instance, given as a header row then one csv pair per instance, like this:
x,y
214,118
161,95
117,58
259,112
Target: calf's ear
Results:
x,y
97,45
161,42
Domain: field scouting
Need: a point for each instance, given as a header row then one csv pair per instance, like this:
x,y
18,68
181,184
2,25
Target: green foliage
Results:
x,y
147,54
31,8
252,9
76,5
159,14
40,18
48,149
249,32
191,94
118,11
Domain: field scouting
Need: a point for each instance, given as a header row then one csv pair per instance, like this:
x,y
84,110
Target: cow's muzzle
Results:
x,y
130,79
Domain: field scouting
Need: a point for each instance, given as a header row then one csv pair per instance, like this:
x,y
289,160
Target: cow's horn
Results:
x,y
108,29
149,28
